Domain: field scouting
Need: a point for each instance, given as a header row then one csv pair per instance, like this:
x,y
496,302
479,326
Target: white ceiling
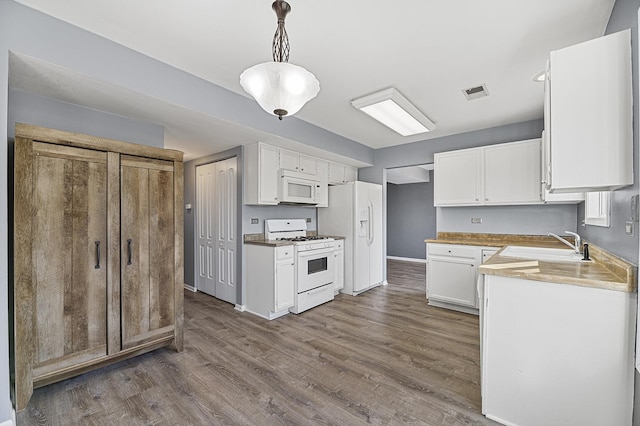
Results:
x,y
428,49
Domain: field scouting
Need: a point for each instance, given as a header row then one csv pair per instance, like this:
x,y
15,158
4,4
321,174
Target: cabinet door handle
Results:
x,y
129,252
97,255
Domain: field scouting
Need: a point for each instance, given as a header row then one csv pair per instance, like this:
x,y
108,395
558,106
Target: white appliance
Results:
x,y
313,258
298,188
355,212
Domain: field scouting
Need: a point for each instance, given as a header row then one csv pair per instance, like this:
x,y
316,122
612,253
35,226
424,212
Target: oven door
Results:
x,y
315,269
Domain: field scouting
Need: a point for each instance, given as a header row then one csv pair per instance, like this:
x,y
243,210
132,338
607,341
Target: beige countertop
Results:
x,y
606,271
496,240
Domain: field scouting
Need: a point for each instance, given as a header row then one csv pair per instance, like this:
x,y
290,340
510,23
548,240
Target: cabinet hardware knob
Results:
x,y
486,199
477,199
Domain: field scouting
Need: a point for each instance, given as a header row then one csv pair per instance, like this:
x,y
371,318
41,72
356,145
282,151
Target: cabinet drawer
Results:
x,y
315,297
453,250
285,252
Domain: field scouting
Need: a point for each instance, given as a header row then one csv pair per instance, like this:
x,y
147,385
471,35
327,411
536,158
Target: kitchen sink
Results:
x,y
542,253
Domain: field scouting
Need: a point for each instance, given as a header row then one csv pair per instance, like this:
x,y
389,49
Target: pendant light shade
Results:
x,y
279,87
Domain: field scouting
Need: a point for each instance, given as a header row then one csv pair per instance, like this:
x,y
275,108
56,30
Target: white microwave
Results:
x,y
298,188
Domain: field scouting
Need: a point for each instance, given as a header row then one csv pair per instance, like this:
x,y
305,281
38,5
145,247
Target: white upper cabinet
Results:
x,y
512,173
260,174
323,174
458,178
291,160
339,173
589,115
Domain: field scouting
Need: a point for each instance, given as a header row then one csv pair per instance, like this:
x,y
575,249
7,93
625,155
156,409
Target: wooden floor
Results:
x,y
383,357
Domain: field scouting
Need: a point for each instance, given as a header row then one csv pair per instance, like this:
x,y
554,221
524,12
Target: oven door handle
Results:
x,y
315,253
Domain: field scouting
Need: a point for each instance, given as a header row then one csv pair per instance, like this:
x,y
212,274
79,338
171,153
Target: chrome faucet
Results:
x,y
578,240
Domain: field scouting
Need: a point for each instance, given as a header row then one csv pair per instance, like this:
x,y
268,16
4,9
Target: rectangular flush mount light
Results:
x,y
394,111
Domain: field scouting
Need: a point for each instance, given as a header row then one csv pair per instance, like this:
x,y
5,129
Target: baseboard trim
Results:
x,y
407,259
186,287
12,421
240,308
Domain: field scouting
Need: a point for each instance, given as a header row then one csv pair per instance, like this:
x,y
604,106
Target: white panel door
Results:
x,y
225,229
376,260
205,179
361,242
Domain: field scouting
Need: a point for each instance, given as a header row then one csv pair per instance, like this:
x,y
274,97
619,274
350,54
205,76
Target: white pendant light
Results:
x,y
279,87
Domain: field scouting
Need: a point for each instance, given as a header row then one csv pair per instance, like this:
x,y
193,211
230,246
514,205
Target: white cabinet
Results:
x,y
261,174
338,282
556,353
487,253
458,177
340,173
452,272
512,173
323,174
589,115
270,281
545,173
285,277
291,160
495,175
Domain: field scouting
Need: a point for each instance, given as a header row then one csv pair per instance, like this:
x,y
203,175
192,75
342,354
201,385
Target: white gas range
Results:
x,y
314,262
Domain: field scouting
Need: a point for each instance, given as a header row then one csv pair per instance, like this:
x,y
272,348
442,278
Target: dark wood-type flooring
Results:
x,y
383,357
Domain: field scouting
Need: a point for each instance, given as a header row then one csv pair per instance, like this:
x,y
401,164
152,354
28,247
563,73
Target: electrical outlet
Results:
x,y
476,220
308,220
254,221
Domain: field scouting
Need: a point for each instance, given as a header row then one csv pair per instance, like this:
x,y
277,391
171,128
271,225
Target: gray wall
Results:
x,y
26,107
528,220
411,218
614,239
421,152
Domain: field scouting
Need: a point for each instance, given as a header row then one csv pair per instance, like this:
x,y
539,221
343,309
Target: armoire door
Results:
x,y
205,227
147,250
225,231
69,242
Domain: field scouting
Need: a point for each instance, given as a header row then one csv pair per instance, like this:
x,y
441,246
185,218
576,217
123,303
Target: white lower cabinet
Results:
x,y
452,272
270,282
338,282
556,354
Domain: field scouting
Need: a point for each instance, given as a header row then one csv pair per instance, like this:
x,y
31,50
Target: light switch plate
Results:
x,y
308,220
628,228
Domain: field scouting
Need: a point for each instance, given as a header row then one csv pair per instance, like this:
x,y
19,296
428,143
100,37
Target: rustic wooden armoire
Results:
x,y
98,254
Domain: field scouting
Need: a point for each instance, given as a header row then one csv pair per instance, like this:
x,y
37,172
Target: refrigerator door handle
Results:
x,y
370,230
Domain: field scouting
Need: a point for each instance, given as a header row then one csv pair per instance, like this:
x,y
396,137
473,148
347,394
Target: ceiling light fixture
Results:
x,y
279,87
539,76
394,111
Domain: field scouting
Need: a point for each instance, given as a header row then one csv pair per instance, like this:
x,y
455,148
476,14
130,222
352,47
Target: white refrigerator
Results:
x,y
355,212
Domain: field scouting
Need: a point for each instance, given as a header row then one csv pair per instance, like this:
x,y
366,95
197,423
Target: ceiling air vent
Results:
x,y
476,92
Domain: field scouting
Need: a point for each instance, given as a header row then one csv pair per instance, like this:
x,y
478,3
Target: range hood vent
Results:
x,y
476,92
